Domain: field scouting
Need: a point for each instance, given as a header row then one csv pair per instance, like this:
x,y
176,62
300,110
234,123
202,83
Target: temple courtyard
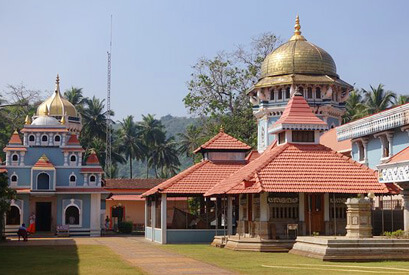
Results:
x,y
126,255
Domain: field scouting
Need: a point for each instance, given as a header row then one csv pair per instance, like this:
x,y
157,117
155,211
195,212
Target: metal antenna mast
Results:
x,y
108,160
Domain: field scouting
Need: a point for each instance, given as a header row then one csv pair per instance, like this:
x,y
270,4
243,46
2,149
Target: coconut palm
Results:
x,y
94,119
152,133
377,99
402,99
189,141
355,108
131,144
75,96
164,156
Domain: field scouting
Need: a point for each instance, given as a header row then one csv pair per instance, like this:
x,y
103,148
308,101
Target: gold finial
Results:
x,y
297,26
44,157
15,132
297,33
28,120
63,120
47,112
221,129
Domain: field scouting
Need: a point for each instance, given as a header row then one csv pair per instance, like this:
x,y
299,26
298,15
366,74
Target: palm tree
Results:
x,y
402,99
355,108
132,145
377,99
189,141
164,156
75,96
94,119
152,133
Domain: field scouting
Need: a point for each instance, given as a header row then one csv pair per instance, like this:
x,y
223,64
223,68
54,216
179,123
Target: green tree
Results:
x,y
6,194
164,157
152,133
76,97
131,145
355,108
401,99
377,99
94,120
189,141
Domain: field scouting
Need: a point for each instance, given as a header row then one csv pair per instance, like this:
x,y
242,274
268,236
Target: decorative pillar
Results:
x,y
301,213
38,140
153,215
22,153
95,215
326,213
405,195
229,215
365,145
359,218
146,215
163,218
7,158
389,137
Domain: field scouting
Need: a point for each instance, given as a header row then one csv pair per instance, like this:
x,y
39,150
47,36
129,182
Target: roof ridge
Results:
x,y
172,180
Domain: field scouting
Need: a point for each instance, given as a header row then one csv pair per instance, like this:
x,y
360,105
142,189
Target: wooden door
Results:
x,y
314,212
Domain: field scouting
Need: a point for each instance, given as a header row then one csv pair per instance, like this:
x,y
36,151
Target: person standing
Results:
x,y
32,226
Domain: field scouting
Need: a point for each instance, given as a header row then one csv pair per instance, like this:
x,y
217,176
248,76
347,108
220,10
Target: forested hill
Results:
x,y
173,126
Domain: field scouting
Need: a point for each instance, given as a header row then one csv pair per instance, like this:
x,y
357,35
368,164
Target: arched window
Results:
x,y
43,181
287,93
44,138
72,215
13,178
31,138
73,179
92,179
57,138
318,93
309,92
14,157
301,90
73,158
13,216
280,94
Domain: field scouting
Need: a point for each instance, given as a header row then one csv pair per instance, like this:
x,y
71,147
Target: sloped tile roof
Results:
x,y
329,139
73,140
132,183
298,115
403,155
198,178
92,159
252,155
223,141
43,162
15,139
301,168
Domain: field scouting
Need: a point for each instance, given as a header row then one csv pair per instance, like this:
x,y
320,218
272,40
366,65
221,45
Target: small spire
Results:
x,y
44,158
57,83
15,132
63,119
47,112
297,26
27,120
221,129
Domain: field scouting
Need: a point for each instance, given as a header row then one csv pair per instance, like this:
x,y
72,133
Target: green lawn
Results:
x,y
281,263
69,259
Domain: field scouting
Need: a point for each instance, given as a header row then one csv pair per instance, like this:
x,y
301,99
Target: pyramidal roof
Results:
x,y
223,141
92,159
73,140
43,162
15,139
298,115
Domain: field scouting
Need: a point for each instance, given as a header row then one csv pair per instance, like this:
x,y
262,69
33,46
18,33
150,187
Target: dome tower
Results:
x,y
297,65
59,108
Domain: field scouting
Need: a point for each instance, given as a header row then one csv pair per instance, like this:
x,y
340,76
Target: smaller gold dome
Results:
x,y
56,105
298,56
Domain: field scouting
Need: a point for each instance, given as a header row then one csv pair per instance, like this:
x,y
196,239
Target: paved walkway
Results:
x,y
138,252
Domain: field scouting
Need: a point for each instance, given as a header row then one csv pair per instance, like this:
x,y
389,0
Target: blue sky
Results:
x,y
157,42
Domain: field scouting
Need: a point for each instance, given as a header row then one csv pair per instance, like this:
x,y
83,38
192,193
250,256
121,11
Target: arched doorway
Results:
x,y
13,216
43,181
72,215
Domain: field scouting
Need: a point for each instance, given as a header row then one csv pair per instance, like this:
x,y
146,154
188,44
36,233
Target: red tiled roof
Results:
x,y
70,149
298,114
403,155
198,178
43,162
14,149
92,159
3,170
329,139
252,155
82,190
223,141
132,183
15,139
73,140
92,170
301,168
126,198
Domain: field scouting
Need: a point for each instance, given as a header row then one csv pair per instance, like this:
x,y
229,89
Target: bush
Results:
x,y
125,227
398,234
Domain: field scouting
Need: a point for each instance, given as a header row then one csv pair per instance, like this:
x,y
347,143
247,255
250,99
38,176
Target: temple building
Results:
x,y
47,170
297,65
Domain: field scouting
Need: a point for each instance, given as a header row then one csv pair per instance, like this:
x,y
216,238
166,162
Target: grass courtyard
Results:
x,y
68,259
281,263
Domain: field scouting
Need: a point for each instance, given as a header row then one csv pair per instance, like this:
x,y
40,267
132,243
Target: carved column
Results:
x,y
405,195
359,218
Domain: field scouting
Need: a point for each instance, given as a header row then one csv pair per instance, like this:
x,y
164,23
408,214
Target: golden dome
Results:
x,y
298,56
56,105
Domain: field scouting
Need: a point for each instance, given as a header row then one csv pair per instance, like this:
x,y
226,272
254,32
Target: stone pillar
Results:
x,y
359,218
153,216
405,195
263,224
229,215
95,215
301,214
163,218
326,213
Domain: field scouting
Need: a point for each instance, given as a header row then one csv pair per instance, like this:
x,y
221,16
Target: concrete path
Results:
x,y
138,252
147,256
